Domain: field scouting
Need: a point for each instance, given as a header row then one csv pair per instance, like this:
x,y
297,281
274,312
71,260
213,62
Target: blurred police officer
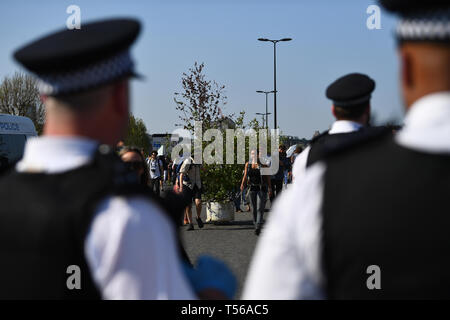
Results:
x,y
71,225
350,96
372,220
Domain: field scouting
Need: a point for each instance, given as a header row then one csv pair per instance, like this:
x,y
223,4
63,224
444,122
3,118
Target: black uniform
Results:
x,y
386,204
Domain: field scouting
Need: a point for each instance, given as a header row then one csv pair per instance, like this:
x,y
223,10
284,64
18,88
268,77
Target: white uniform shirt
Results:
x,y
339,126
130,248
287,260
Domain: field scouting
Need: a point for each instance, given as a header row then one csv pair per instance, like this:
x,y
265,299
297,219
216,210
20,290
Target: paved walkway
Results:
x,y
233,243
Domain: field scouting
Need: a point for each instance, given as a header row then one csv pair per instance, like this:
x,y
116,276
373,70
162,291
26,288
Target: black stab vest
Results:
x,y
44,220
386,205
326,143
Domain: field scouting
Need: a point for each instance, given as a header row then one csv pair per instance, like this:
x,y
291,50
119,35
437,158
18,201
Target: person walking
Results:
x,y
135,163
277,179
156,169
170,171
260,187
162,180
190,184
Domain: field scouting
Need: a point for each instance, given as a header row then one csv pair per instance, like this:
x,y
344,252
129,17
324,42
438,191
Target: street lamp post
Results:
x,y
275,76
264,115
266,93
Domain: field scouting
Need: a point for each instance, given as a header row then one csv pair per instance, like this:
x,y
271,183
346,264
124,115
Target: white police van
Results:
x,y
14,132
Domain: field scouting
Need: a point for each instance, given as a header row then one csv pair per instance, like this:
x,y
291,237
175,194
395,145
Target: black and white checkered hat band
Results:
x,y
429,26
87,77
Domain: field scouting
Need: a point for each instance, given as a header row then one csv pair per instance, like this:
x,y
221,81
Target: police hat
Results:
x,y
421,20
70,61
351,90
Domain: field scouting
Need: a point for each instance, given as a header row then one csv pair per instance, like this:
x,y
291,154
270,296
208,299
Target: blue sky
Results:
x,y
330,39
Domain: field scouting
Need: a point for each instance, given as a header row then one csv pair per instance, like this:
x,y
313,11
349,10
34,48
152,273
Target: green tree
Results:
x,y
20,96
201,99
137,134
222,181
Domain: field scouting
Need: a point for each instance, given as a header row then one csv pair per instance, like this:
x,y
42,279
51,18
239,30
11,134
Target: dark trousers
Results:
x,y
277,187
258,200
154,185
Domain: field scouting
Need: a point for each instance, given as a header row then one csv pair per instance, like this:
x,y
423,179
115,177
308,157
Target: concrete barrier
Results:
x,y
220,212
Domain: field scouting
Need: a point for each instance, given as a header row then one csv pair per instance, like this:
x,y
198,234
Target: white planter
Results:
x,y
220,211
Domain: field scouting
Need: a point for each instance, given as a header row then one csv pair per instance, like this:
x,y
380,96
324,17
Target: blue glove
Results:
x,y
211,273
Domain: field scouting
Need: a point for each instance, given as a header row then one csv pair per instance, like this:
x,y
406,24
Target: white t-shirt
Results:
x,y
154,166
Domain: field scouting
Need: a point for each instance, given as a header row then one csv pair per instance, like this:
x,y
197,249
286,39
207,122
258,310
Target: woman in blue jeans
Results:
x,y
259,188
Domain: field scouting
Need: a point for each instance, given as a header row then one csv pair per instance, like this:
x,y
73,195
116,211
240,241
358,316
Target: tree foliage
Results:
x,y
137,134
201,99
221,182
19,96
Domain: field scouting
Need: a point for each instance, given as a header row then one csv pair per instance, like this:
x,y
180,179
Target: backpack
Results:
x,y
177,170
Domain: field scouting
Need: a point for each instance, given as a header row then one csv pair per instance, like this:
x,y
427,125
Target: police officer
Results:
x,y
371,221
350,96
72,224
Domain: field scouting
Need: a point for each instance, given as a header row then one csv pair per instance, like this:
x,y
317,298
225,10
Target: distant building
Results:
x,y
163,142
